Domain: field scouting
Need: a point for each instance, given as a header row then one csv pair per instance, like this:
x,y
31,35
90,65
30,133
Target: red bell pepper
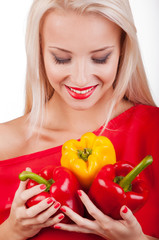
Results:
x,y
119,184
62,186
46,173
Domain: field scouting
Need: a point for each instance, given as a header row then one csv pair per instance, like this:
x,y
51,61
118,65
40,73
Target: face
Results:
x,y
81,55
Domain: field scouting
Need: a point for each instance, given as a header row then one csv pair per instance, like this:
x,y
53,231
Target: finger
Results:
x,y
28,169
72,227
42,217
80,221
52,221
40,207
44,220
21,188
92,209
127,215
29,193
22,185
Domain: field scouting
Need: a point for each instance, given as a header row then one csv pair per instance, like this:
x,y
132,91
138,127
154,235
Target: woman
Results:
x,y
83,63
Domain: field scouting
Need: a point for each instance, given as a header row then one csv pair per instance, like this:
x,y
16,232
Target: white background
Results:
x,y
13,15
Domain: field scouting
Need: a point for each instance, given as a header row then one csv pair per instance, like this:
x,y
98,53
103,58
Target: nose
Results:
x,y
81,74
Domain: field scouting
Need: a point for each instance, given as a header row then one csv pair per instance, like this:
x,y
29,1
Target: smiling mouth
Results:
x,y
81,93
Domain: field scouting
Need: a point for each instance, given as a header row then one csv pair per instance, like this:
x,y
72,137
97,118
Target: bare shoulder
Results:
x,y
12,138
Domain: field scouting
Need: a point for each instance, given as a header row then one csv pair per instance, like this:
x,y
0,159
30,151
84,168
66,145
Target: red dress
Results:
x,y
134,134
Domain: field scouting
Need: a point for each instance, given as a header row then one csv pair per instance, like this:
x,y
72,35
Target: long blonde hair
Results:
x,y
130,83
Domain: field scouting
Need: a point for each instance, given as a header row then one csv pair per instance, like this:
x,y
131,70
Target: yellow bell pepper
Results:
x,y
86,157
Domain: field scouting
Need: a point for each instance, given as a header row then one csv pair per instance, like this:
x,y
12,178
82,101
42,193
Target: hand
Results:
x,y
103,225
23,222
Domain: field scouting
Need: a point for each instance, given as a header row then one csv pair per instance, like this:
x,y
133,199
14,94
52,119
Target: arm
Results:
x,y
150,238
126,229
5,234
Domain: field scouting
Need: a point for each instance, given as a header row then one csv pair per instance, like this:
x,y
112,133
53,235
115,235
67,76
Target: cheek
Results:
x,y
54,72
108,73
111,72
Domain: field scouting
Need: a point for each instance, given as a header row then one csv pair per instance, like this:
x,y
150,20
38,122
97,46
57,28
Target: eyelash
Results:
x,y
61,61
98,61
102,60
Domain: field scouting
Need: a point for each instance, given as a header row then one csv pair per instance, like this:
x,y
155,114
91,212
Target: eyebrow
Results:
x,y
101,49
94,51
61,49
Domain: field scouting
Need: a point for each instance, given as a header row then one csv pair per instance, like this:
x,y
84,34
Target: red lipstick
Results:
x,y
80,93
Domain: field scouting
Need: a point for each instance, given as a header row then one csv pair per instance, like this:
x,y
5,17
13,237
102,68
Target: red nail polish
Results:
x,y
50,200
61,217
63,209
125,210
42,186
57,227
79,193
57,205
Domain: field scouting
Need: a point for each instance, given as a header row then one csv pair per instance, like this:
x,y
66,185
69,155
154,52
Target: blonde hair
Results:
x,y
130,83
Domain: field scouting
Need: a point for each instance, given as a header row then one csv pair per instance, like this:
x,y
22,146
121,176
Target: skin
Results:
x,y
103,225
82,68
23,222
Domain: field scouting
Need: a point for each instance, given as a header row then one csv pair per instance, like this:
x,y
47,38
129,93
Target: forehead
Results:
x,y
68,25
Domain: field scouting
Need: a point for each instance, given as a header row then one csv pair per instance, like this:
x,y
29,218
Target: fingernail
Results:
x,y
125,210
79,193
28,169
42,186
57,205
63,209
57,227
61,216
50,200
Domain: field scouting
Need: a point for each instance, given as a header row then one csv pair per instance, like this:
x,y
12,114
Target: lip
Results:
x,y
81,95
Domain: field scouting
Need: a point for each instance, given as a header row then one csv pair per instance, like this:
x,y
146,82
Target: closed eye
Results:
x,y
59,60
101,60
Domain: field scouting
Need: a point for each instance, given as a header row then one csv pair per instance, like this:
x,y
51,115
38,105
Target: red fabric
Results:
x,y
134,134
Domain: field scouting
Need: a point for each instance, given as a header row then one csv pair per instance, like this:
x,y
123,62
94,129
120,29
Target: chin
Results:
x,y
82,107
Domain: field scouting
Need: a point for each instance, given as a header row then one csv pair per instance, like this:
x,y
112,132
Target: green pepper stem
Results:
x,y
33,176
84,154
127,180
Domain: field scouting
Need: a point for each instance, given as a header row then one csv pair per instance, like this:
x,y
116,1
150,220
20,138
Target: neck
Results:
x,y
60,116
68,118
